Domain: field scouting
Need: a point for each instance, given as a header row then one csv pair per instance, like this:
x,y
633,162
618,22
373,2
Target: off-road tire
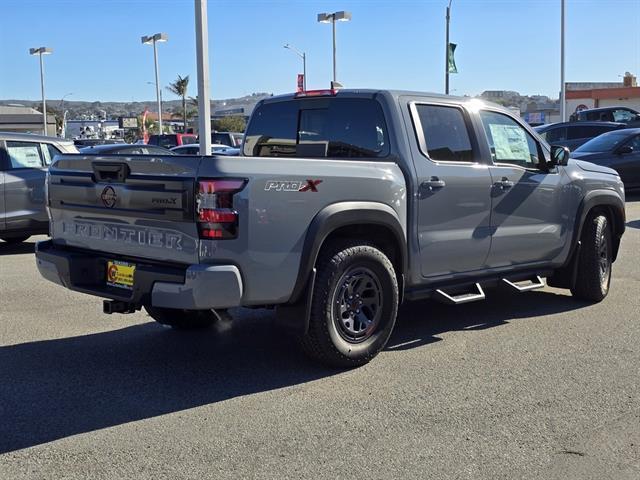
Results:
x,y
182,319
594,260
14,240
366,269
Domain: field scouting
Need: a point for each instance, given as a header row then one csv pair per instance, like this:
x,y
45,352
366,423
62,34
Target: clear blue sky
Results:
x,y
502,44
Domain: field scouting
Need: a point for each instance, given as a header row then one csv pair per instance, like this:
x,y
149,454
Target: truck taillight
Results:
x,y
217,219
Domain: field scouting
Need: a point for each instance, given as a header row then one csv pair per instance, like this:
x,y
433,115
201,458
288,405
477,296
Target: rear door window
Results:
x,y
318,128
446,136
24,155
579,131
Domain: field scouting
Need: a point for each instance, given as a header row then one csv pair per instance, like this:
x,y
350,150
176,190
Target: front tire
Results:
x,y
354,305
594,261
183,319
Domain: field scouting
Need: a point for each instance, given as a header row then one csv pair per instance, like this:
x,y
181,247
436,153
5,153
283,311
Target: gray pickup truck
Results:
x,y
342,205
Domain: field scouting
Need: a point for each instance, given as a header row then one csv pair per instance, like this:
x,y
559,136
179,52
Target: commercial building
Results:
x,y
18,118
581,96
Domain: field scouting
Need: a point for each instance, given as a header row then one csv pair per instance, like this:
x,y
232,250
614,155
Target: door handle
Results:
x,y
504,184
433,183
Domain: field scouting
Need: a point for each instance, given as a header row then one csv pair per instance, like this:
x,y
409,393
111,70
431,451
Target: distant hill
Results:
x,y
86,109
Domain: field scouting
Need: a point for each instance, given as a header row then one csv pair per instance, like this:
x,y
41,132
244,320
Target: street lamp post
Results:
x,y
42,51
155,38
303,56
563,90
446,51
202,62
332,18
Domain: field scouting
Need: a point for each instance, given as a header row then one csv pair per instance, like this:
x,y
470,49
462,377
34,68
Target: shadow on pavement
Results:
x,y
53,389
17,248
420,322
634,224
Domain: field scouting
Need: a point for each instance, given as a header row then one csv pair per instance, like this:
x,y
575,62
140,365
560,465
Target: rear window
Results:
x,y
318,128
188,139
166,141
604,143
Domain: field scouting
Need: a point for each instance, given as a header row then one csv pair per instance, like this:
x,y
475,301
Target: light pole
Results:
x,y
42,51
202,62
155,84
303,56
155,38
64,114
332,18
563,92
446,51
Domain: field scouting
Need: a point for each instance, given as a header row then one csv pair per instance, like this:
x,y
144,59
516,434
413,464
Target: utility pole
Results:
x,y
204,93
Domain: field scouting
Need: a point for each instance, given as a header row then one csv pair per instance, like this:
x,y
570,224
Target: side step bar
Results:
x,y
460,298
524,285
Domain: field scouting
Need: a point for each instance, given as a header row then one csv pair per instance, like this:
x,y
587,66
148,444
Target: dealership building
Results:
x,y
580,96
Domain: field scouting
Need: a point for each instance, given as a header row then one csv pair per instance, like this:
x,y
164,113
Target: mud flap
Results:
x,y
295,317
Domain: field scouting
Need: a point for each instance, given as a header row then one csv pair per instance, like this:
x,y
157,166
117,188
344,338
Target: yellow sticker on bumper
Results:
x,y
120,274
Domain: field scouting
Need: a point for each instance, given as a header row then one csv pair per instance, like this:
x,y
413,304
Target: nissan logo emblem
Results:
x,y
108,197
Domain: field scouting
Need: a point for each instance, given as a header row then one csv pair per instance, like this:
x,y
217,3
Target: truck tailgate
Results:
x,y
135,206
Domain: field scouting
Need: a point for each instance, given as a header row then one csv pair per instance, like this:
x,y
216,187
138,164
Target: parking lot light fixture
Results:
x,y
40,51
303,56
332,18
154,39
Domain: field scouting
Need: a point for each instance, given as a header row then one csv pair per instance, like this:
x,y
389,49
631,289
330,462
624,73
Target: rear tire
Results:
x,y
182,319
594,261
14,240
354,305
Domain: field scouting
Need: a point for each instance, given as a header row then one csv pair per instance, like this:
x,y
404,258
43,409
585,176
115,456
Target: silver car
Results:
x,y
24,159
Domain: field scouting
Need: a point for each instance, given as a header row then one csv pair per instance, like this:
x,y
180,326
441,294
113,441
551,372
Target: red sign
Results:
x,y
300,83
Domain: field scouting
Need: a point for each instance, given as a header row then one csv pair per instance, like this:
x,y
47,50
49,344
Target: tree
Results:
x,y
179,88
234,123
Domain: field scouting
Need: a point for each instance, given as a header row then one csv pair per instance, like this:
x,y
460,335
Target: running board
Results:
x,y
526,284
458,299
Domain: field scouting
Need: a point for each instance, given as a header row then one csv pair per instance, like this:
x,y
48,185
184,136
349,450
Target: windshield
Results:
x,y
604,143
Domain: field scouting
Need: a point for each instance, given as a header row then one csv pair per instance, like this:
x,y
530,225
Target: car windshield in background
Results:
x,y
318,128
604,143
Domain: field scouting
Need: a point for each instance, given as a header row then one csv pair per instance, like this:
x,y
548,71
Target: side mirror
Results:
x,y
625,149
559,155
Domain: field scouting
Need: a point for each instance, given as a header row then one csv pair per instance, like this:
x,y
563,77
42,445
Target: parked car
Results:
x,y
229,152
24,159
194,149
231,139
126,149
574,134
619,150
344,204
172,139
89,142
626,115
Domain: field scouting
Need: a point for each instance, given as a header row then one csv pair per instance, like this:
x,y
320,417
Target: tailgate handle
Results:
x,y
110,172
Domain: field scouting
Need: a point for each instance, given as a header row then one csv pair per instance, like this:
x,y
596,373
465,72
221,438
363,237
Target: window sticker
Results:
x,y
25,157
510,142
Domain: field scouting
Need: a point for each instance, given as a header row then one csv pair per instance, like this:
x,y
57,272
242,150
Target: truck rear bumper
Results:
x,y
193,287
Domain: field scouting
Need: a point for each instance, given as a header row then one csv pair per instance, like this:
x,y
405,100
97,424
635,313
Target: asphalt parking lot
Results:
x,y
533,385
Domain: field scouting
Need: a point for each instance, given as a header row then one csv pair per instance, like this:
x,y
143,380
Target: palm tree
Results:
x,y
179,88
